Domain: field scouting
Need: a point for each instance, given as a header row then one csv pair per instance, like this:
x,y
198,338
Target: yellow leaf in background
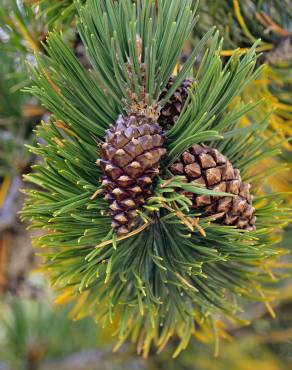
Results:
x,y
27,36
30,110
280,121
241,51
241,21
76,313
268,22
4,188
65,297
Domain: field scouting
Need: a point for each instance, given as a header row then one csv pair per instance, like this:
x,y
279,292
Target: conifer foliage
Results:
x,y
166,268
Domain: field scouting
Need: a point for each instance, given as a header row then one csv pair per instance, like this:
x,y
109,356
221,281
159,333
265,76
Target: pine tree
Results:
x,y
176,268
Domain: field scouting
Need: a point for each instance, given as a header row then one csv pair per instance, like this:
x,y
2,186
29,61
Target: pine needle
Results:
x,y
129,235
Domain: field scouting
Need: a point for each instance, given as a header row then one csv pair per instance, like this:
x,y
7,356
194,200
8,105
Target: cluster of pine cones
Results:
x,y
130,161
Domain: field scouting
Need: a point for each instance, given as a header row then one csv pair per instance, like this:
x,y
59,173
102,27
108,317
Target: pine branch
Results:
x,y
180,267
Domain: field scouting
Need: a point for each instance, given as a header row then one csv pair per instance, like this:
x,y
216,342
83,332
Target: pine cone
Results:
x,y
130,160
206,166
171,111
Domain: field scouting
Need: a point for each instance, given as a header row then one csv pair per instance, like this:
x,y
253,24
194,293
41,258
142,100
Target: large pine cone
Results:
x,y
130,160
206,166
171,111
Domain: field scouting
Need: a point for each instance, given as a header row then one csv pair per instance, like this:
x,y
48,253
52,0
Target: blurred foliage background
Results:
x,y
36,332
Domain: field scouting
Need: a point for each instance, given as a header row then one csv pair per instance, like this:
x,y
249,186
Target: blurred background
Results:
x,y
36,330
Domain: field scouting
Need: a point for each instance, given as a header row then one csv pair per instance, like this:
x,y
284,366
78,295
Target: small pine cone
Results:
x,y
171,111
130,160
206,166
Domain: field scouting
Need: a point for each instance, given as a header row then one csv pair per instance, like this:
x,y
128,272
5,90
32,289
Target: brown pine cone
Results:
x,y
171,111
206,166
130,160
